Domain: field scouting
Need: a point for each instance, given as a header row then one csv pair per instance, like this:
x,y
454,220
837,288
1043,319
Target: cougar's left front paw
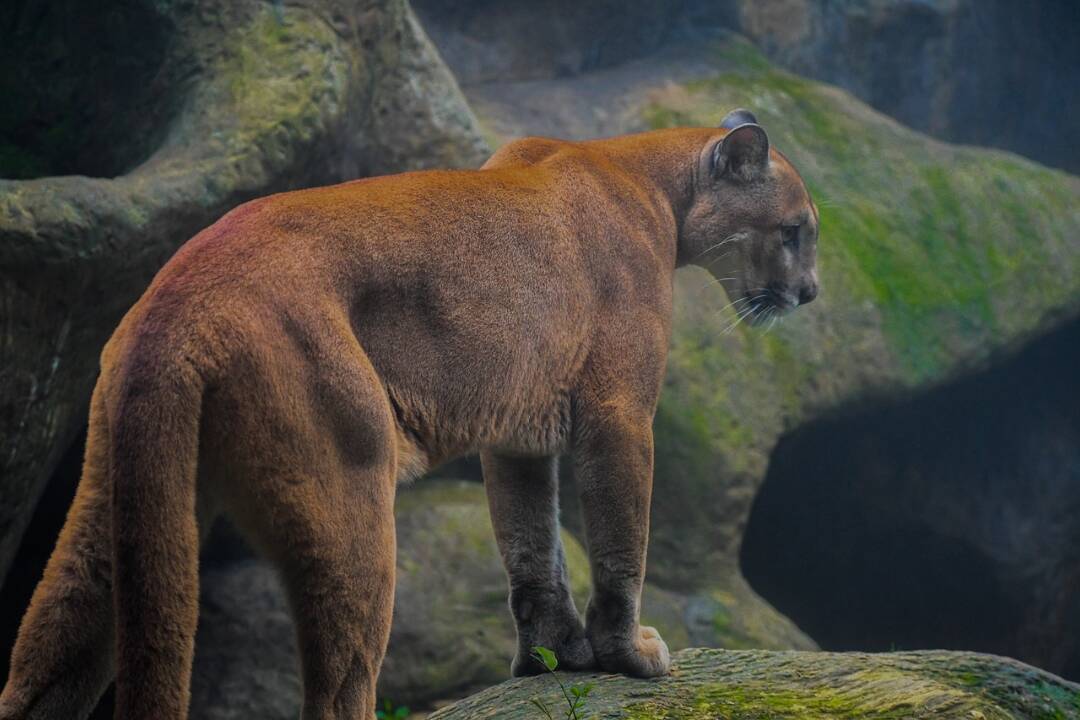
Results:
x,y
644,655
552,623
573,653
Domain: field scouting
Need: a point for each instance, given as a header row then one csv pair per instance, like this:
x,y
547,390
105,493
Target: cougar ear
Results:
x,y
737,117
743,153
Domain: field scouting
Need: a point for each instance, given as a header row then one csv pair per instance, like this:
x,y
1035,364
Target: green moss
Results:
x,y
930,235
290,62
970,679
763,701
658,117
741,53
760,685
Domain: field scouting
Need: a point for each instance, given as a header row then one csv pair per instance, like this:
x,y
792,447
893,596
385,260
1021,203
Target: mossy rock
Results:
x,y
760,685
730,617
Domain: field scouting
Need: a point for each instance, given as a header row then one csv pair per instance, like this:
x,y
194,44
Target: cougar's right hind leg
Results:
x,y
313,490
331,535
63,658
340,582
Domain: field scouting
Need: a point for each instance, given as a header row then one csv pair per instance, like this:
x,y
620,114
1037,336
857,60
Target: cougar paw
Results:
x,y
574,652
645,656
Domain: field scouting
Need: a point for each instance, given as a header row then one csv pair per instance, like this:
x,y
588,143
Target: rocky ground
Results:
x,y
755,684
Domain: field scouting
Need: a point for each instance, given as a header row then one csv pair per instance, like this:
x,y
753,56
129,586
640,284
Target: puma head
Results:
x,y
752,223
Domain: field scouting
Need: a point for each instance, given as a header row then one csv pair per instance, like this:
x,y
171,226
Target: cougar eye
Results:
x,y
790,236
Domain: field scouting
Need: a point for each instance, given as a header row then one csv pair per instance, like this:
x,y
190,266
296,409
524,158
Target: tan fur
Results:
x,y
296,360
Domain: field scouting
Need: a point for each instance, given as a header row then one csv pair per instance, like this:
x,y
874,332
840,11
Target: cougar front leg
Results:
x,y
523,497
613,461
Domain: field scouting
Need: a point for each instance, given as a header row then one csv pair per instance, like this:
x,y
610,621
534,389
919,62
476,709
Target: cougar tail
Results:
x,y
155,425
120,593
62,661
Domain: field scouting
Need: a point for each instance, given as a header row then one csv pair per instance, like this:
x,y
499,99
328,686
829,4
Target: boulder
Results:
x,y
130,130
945,518
967,71
246,662
710,684
983,72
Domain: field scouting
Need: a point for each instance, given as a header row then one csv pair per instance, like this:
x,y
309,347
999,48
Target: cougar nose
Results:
x,y
808,292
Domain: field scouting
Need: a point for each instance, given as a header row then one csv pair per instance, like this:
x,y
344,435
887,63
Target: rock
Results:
x,y
929,255
246,663
160,118
923,528
984,72
501,40
732,616
709,684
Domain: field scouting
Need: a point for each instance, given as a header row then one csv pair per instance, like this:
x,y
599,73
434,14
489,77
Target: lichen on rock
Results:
x,y
759,685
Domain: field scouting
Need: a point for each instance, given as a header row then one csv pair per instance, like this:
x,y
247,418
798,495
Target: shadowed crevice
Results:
x,y
946,519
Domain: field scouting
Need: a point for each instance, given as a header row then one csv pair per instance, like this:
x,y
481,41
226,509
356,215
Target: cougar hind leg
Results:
x,y
312,488
340,584
330,533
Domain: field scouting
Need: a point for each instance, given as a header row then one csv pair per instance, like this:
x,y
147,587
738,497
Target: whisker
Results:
x,y
725,241
755,319
761,312
710,282
733,303
743,299
772,322
740,316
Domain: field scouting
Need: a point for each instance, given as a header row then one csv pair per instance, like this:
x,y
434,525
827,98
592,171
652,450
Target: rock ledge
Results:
x,y
716,684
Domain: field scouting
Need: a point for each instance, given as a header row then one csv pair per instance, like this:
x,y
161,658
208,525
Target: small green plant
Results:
x,y
575,695
389,712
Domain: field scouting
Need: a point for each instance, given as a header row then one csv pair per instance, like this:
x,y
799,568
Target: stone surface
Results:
x,y
710,684
500,40
984,72
242,99
944,518
246,663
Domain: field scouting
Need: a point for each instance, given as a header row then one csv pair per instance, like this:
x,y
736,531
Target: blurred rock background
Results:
x,y
894,467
